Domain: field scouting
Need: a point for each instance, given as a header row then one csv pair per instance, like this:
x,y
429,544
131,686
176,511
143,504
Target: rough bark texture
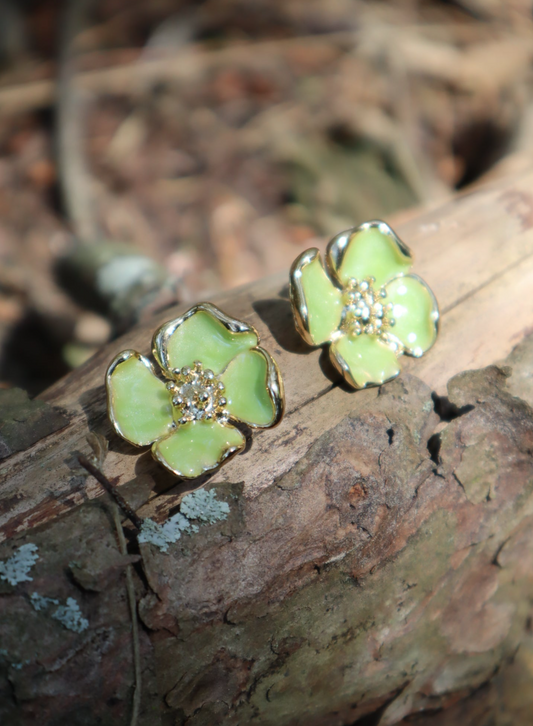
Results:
x,y
377,559
382,574
25,422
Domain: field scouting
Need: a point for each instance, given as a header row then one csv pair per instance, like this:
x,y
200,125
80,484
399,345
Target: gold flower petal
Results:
x,y
203,333
316,301
371,250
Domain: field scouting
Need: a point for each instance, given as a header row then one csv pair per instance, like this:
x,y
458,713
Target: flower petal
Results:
x,y
416,313
254,389
198,447
364,360
372,249
316,301
205,334
139,403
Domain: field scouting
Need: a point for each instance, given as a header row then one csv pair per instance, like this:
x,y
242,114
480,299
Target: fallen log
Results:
x,y
371,555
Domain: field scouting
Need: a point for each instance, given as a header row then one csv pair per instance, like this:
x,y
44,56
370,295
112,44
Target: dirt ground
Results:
x,y
204,145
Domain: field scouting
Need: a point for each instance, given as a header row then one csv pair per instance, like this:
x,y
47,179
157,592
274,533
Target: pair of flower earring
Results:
x,y
364,304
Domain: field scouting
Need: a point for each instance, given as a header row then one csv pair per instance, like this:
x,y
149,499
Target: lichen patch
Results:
x,y
162,535
16,569
70,617
200,506
204,506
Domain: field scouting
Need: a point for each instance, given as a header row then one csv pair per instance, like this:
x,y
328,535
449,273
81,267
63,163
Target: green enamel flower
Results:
x,y
366,306
216,375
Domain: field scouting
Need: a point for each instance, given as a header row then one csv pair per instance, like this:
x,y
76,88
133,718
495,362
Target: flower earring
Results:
x,y
367,307
215,376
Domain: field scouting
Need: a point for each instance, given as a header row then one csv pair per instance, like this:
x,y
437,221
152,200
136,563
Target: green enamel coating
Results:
x,y
323,301
372,253
370,361
139,402
202,337
197,447
413,312
246,389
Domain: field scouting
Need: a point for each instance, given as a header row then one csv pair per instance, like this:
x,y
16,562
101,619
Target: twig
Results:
x,y
134,626
112,490
74,172
440,61
137,521
128,78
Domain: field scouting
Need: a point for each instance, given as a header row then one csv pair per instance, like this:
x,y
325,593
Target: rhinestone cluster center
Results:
x,y
365,309
197,394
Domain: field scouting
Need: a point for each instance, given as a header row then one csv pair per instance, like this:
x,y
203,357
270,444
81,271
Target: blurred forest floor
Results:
x,y
219,139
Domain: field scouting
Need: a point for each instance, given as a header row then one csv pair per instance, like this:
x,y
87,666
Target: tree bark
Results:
x,y
377,556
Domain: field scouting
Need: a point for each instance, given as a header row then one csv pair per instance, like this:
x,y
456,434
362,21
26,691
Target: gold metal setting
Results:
x,y
274,381
196,393
365,308
297,296
276,391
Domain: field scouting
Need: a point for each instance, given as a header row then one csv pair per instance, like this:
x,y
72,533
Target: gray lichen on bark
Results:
x,y
367,571
388,572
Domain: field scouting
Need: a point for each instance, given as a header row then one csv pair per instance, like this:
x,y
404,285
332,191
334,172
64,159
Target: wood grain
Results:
x,y
476,253
376,558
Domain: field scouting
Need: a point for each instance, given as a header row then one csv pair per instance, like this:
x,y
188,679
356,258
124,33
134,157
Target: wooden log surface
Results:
x,y
375,557
473,252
